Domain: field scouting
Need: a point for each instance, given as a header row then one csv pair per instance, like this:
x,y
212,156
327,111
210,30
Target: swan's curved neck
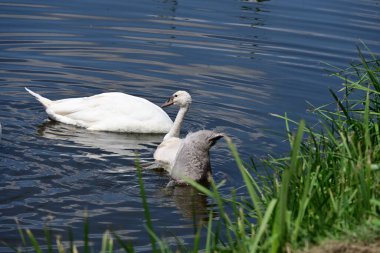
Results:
x,y
176,128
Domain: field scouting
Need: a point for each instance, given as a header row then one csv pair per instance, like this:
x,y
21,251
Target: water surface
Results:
x,y
240,60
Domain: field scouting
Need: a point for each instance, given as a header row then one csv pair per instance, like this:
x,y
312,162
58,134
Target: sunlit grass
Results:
x,y
327,187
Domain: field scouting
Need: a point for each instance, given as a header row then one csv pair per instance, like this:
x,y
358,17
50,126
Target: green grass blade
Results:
x,y
48,238
303,203
263,225
21,232
34,242
197,240
341,106
280,223
126,246
223,214
248,180
296,145
86,233
209,233
161,244
107,243
200,187
148,219
367,124
61,248
71,240
369,72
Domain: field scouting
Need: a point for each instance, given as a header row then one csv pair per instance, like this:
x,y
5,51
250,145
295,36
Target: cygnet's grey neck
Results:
x,y
176,128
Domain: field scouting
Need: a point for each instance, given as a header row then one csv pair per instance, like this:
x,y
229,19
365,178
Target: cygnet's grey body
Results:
x,y
192,160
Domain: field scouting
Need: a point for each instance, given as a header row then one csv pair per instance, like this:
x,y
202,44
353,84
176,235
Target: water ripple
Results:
x,y
240,60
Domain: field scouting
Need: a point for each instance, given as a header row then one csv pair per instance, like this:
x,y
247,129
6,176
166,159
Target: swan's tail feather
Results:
x,y
44,101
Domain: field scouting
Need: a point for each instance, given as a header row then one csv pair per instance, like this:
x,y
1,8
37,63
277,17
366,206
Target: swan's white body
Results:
x,y
166,152
113,111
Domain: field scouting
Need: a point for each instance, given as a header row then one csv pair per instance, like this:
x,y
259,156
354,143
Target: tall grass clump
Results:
x,y
329,184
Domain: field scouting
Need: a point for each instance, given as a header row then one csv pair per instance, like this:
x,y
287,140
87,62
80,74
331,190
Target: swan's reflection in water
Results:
x,y
191,203
103,144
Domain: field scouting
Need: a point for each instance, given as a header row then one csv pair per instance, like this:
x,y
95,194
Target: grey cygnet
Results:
x,y
192,160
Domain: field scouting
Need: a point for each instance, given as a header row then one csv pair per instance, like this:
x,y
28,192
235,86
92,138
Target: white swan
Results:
x,y
166,151
192,160
113,111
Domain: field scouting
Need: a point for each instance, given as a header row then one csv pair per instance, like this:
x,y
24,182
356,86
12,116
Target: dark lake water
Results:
x,y
240,60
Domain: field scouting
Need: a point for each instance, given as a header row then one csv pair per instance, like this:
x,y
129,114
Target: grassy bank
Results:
x,y
327,187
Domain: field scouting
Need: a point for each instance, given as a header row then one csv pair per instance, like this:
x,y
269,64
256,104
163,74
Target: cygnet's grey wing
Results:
x,y
192,161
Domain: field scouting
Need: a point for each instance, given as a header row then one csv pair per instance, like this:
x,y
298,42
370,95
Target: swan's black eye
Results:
x,y
175,95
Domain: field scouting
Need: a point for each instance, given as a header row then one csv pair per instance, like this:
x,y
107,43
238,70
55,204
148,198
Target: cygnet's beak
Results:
x,y
168,102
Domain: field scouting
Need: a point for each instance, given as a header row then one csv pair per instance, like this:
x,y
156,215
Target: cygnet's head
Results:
x,y
180,98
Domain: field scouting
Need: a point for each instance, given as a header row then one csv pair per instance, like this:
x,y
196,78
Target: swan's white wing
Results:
x,y
111,112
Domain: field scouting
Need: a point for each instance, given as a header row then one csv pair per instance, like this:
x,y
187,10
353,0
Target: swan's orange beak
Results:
x,y
168,102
